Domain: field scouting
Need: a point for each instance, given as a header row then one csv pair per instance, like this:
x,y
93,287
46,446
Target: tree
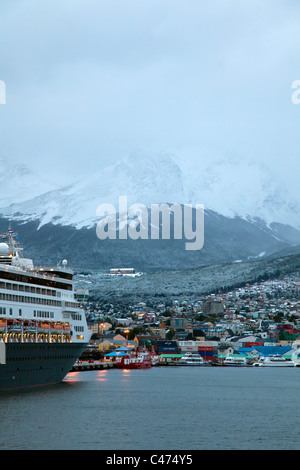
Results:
x,y
170,333
136,331
278,317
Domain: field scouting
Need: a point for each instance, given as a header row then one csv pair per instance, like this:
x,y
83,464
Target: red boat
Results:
x,y
141,361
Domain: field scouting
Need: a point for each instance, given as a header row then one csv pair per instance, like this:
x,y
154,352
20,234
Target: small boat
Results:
x,y
141,361
234,361
190,359
275,360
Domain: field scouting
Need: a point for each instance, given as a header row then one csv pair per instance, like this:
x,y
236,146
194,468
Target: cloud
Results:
x,y
89,81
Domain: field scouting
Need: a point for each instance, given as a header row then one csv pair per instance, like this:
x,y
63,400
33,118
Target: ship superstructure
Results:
x,y
43,329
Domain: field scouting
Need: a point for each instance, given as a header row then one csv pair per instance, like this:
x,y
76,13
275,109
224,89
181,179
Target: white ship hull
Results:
x,y
43,329
274,361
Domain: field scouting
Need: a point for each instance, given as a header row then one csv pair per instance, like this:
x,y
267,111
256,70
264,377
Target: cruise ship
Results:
x,y
43,328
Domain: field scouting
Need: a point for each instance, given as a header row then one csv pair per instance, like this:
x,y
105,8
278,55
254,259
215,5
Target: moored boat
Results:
x,y
43,328
140,361
234,361
275,360
190,359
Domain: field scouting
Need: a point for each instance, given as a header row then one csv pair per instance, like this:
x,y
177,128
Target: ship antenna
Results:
x,y
13,245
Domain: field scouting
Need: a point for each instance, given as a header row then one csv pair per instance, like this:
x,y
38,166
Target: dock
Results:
x,y
94,365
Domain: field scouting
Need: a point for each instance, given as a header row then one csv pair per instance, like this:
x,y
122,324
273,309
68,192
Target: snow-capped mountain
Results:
x,y
76,204
230,187
249,214
19,183
244,188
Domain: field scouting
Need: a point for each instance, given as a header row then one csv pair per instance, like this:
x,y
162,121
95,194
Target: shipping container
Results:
x,y
207,353
188,349
205,348
167,346
163,342
167,350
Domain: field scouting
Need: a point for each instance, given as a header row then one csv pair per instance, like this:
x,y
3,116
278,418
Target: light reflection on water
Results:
x,y
101,375
72,378
158,408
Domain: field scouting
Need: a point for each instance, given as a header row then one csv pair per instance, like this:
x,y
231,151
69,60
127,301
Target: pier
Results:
x,y
92,365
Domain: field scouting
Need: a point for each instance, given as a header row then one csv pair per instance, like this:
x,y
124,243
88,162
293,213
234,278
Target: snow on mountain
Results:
x,y
236,187
231,187
18,183
143,181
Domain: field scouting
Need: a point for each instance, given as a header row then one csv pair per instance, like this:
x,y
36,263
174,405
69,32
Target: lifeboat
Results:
x,y
43,327
57,328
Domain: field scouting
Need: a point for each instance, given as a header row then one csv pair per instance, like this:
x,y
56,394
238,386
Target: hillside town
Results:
x,y
255,320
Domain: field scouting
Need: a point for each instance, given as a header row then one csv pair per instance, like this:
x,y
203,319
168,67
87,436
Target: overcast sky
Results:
x,y
89,81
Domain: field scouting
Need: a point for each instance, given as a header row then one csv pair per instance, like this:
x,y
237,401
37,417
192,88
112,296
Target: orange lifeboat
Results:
x,y
43,327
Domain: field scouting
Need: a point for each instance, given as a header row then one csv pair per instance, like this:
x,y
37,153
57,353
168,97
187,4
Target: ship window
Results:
x,y
20,312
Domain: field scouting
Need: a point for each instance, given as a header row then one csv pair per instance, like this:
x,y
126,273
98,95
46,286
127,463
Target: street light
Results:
x,y
102,326
126,333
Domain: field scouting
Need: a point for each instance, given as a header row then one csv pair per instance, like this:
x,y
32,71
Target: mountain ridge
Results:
x,y
231,187
243,202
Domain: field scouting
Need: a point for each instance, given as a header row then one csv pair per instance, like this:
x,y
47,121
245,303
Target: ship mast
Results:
x,y
14,248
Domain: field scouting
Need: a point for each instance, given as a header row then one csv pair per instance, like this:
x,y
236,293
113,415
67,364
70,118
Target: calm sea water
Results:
x,y
162,408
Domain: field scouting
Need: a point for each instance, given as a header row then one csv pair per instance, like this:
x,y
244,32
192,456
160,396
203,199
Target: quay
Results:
x,y
92,365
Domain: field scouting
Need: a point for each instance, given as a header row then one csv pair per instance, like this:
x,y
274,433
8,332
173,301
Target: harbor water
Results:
x,y
162,408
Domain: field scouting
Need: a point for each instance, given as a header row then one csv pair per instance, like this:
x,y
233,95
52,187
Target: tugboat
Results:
x,y
141,361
